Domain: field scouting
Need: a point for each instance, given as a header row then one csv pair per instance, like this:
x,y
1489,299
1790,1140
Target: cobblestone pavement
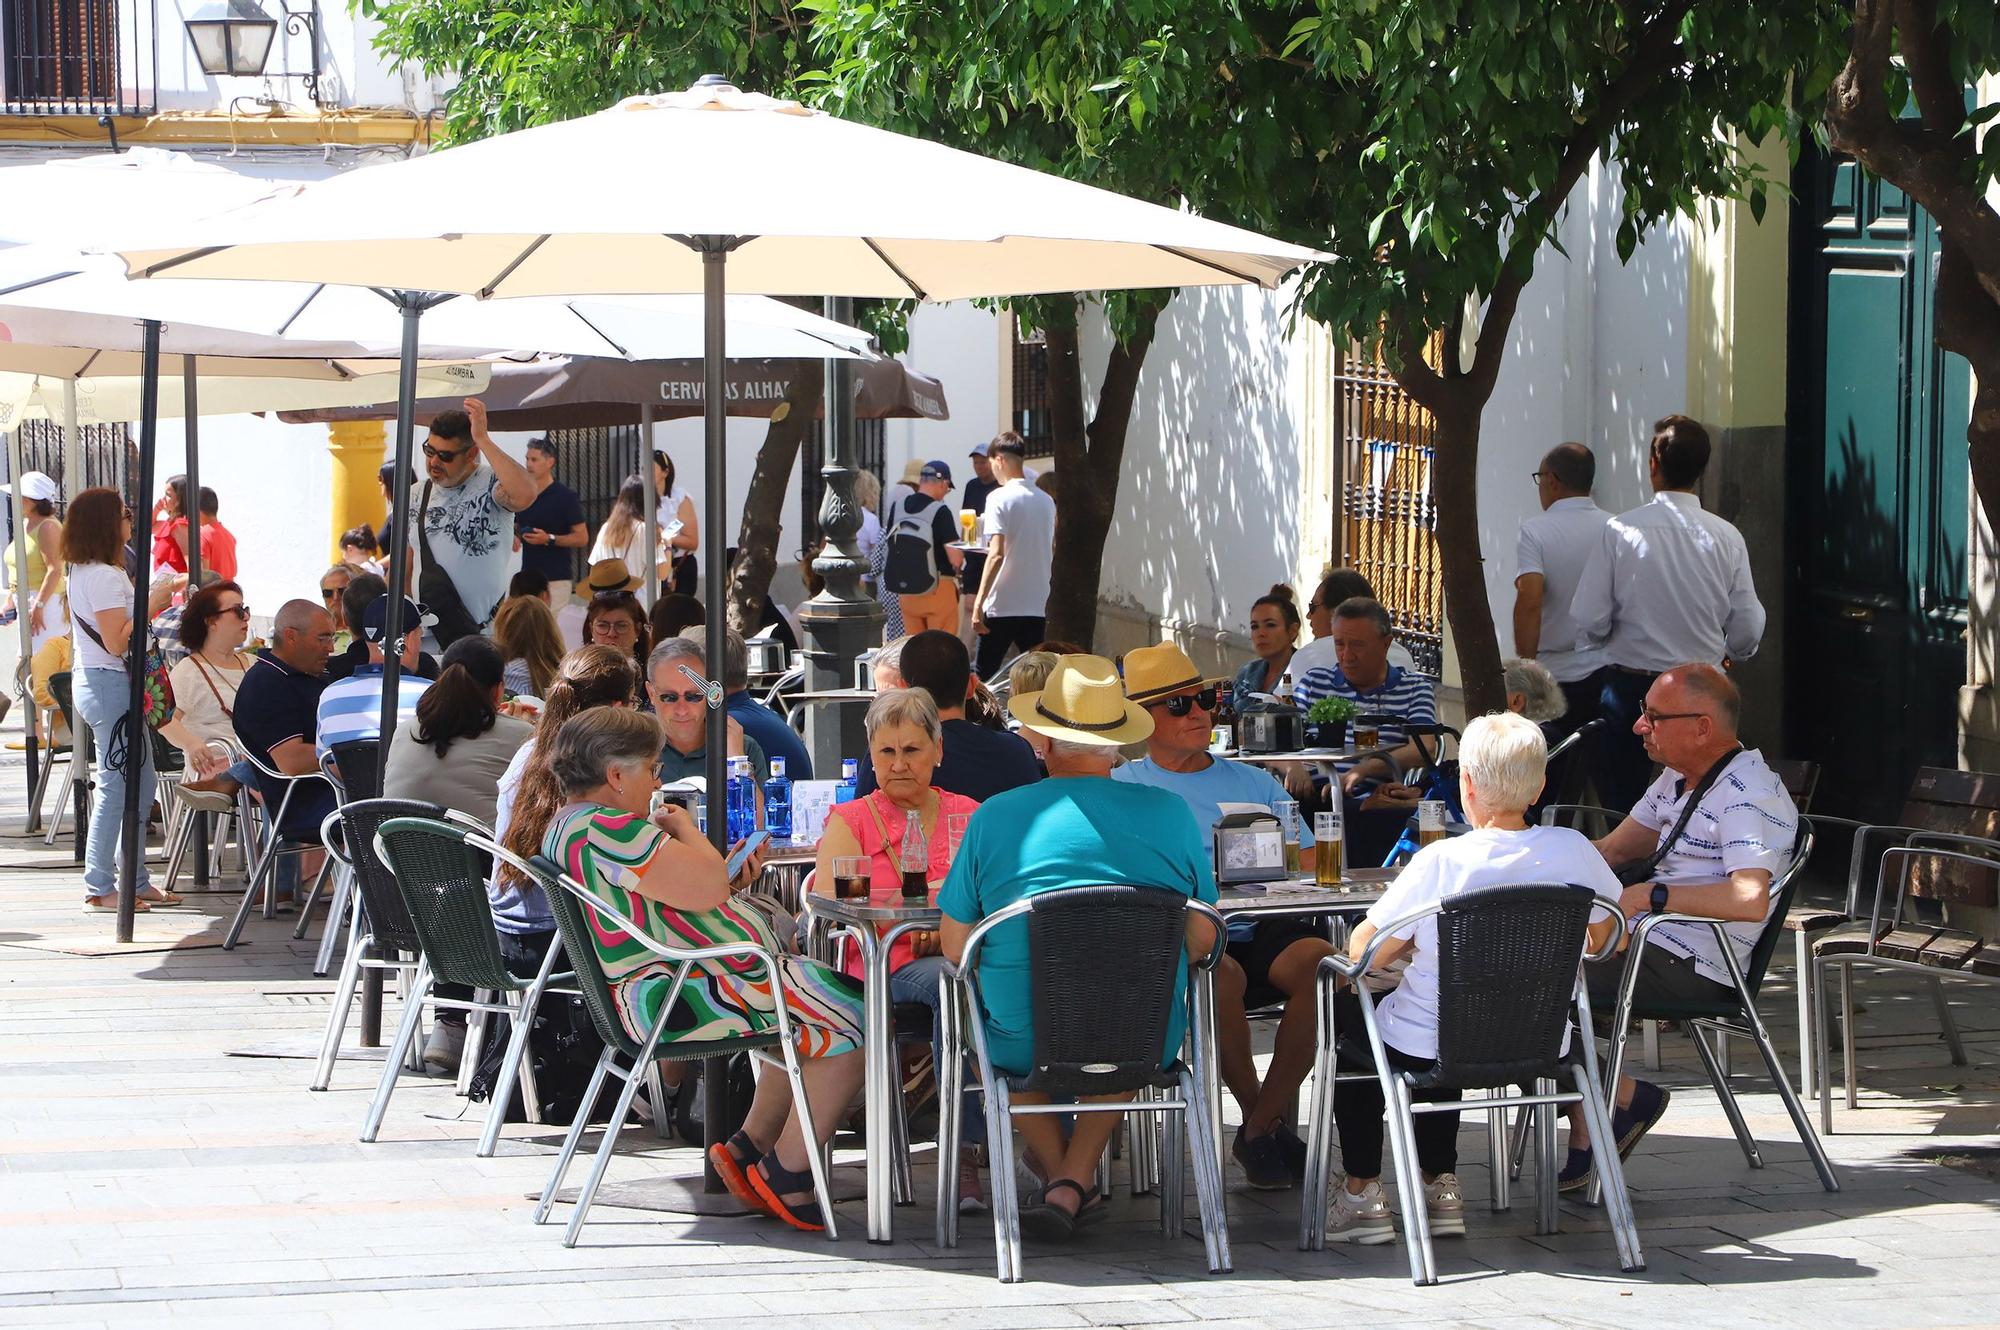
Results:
x,y
151,1174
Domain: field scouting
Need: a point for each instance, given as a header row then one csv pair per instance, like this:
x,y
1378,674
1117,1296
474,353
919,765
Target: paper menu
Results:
x,y
812,803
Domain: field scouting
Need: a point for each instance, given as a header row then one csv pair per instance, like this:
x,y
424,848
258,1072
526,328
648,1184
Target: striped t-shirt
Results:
x,y
1402,693
351,708
1746,820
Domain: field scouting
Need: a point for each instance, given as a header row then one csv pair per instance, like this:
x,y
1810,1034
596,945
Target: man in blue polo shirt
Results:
x,y
275,717
351,708
767,727
1272,962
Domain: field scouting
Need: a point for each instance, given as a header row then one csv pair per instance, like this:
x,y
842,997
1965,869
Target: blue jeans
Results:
x,y
102,697
922,981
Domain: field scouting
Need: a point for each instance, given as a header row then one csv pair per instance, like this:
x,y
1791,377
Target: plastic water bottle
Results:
x,y
741,799
850,777
778,802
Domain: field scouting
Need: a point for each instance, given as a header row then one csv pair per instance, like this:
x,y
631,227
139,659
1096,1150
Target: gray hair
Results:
x,y
1364,607
735,656
1030,671
1505,758
905,706
294,616
592,742
890,656
1544,696
673,649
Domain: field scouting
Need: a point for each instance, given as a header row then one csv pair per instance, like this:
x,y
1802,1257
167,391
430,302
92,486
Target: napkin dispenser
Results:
x,y
1249,847
766,655
1279,730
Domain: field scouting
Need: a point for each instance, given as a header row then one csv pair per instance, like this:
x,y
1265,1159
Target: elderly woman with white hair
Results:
x,y
1501,762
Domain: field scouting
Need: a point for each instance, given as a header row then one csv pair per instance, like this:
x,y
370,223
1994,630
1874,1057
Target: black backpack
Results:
x,y
911,568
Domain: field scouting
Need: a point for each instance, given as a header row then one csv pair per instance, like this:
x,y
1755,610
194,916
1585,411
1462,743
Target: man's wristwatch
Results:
x,y
1659,898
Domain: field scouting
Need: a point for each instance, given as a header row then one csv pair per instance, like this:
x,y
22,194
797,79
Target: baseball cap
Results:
x,y
935,470
35,485
981,449
375,619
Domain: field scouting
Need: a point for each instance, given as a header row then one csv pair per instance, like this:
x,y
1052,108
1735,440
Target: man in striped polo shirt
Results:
x,y
351,708
1377,802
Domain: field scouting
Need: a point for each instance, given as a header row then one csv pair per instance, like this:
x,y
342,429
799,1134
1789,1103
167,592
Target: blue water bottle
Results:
x,y
778,802
850,775
742,799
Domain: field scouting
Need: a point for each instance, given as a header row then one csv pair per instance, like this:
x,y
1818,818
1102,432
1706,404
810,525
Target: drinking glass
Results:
x,y
850,877
1328,851
954,834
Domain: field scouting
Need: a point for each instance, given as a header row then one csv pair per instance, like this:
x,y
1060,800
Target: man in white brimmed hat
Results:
x,y
1078,828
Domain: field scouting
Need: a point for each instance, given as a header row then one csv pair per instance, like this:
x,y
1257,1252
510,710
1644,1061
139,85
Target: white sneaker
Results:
x,y
1444,1205
444,1048
1362,1219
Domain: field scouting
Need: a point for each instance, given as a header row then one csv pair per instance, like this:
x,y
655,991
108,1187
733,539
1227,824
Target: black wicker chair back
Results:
x,y
443,883
1507,967
381,899
355,762
1103,963
1569,766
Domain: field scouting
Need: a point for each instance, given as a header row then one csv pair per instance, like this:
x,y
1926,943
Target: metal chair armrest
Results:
x,y
469,822
1550,812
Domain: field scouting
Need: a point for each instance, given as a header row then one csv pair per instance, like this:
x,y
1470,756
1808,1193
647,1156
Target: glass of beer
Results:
x,y
1288,822
1430,822
1366,735
850,877
1328,847
968,521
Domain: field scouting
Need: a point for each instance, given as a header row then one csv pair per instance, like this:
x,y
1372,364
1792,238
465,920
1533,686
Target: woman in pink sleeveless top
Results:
x,y
905,742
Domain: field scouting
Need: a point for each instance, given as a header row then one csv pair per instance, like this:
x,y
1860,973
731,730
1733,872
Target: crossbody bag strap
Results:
x,y
423,536
1695,797
202,667
876,813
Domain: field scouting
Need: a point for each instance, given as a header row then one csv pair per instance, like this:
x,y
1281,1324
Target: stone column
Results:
x,y
842,620
357,447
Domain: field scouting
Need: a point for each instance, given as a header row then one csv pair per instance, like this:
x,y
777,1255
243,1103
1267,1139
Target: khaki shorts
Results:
x,y
936,608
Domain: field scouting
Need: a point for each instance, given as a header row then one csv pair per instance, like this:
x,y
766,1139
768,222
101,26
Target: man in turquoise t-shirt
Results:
x,y
1276,961
1077,828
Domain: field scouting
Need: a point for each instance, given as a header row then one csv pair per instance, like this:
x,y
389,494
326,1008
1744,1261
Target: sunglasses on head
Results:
x,y
1180,706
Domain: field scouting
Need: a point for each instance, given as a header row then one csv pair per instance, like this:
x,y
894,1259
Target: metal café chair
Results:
x,y
352,768
1896,939
579,914
439,868
76,758
1101,1015
1734,1014
380,935
1508,981
264,876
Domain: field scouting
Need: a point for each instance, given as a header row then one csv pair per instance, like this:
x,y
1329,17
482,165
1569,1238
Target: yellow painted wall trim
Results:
x,y
1737,279
357,127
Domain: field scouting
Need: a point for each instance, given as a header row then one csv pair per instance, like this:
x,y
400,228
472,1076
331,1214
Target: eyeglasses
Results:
x,y
693,695
444,455
1536,476
618,626
1186,702
1652,717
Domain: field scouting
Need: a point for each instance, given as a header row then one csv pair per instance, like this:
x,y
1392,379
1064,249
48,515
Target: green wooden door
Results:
x,y
1879,495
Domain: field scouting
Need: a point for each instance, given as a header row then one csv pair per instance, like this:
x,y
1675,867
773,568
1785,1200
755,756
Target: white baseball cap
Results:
x,y
36,485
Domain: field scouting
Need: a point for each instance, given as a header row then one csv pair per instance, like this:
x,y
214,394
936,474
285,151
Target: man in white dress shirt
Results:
x,y
1550,553
1671,585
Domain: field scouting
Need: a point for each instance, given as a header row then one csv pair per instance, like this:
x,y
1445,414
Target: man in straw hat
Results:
x,y
1078,828
1268,963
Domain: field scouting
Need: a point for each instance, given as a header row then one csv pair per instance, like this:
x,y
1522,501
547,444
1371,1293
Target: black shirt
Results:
x,y
978,763
555,510
977,492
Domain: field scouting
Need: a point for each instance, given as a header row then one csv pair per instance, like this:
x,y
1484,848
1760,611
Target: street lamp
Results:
x,y
234,38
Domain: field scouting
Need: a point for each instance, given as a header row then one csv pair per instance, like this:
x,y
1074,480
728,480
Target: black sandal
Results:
x,y
1048,1222
771,1180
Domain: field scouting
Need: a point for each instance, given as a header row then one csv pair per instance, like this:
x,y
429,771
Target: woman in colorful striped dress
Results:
x,y
663,875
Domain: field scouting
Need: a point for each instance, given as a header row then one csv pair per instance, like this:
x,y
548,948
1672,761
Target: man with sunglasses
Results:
x,y
1267,963
1719,863
463,518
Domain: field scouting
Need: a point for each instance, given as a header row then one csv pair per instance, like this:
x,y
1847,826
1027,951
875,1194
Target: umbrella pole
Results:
x,y
652,489
191,431
719,1113
411,305
18,513
133,841
73,447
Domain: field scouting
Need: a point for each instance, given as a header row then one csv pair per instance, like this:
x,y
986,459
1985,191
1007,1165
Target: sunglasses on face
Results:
x,y
1180,706
331,592
444,454
692,696
240,611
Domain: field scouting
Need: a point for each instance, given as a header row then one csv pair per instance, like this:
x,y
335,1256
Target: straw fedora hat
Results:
x,y
912,474
607,575
1083,702
1152,673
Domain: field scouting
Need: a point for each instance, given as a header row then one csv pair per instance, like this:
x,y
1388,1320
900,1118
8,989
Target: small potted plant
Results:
x,y
1326,722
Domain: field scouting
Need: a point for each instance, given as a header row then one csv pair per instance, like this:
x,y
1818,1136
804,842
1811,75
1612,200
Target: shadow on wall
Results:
x,y
1208,503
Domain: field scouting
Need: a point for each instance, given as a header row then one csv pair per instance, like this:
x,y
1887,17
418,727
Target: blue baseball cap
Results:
x,y
375,619
935,470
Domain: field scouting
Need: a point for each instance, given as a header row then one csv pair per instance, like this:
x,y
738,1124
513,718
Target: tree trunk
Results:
x,y
1968,324
763,507
1455,489
1088,461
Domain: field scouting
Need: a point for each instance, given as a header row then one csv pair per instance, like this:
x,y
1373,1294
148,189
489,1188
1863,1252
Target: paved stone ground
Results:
x,y
149,1177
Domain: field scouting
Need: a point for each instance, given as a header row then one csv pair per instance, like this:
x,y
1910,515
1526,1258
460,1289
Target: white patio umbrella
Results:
x,y
781,199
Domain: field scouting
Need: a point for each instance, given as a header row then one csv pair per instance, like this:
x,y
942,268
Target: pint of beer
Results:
x,y
968,520
1366,735
1430,821
1328,849
1288,822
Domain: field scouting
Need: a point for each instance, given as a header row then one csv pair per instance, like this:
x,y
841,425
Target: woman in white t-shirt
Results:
x,y
676,505
1501,764
100,602
214,625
